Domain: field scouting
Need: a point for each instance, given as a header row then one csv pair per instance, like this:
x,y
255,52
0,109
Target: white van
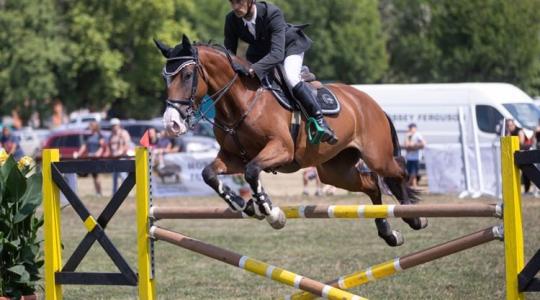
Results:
x,y
434,108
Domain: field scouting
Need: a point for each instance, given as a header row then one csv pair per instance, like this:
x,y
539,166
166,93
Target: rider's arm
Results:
x,y
231,37
277,27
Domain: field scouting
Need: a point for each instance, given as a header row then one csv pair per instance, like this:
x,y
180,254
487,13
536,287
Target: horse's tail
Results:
x,y
400,190
395,140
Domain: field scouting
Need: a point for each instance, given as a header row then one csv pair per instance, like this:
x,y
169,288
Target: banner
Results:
x,y
179,174
446,171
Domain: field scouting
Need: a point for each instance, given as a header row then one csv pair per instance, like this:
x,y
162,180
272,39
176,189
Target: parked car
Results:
x,y
193,143
68,141
31,140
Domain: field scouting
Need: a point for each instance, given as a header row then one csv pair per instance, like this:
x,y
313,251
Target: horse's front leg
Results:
x,y
273,155
225,164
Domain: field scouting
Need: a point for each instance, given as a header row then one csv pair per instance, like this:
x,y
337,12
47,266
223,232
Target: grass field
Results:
x,y
319,249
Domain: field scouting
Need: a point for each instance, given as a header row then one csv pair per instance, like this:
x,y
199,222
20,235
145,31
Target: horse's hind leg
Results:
x,y
405,195
342,172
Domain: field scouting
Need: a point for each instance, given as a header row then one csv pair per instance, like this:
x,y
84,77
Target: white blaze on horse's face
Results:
x,y
174,124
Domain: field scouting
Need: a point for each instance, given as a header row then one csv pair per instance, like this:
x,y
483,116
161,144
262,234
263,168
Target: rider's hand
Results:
x,y
241,70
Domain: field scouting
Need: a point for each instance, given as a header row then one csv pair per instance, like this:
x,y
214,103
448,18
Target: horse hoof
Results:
x,y
423,223
394,239
399,237
417,223
250,211
276,218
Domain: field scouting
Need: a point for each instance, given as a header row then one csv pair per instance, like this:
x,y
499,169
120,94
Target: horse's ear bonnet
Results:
x,y
162,47
184,49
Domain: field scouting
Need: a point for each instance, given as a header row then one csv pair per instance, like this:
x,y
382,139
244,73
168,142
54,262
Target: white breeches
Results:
x,y
293,66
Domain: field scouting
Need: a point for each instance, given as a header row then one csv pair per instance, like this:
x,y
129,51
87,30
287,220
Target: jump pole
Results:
x,y
396,265
339,211
251,265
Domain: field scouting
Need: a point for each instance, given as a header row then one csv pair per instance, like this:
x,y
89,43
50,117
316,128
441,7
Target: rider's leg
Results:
x,y
293,66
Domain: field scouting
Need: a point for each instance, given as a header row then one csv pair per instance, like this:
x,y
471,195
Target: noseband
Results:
x,y
189,113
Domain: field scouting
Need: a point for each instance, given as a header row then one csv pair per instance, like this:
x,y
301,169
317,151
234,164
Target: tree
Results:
x,y
31,51
349,43
462,40
113,57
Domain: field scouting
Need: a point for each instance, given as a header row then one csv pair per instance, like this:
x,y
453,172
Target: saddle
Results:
x,y
284,95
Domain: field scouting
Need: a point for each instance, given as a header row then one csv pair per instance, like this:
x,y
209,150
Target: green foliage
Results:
x,y
31,51
94,53
349,44
20,256
459,41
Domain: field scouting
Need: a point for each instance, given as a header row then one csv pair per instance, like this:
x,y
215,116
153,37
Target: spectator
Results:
x,y
59,117
160,145
94,146
10,143
310,173
537,146
414,142
178,145
525,143
119,144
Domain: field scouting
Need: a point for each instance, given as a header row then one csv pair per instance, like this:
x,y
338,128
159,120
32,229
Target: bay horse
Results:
x,y
253,131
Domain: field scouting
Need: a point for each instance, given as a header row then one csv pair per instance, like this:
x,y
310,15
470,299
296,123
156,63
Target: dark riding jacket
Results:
x,y
275,39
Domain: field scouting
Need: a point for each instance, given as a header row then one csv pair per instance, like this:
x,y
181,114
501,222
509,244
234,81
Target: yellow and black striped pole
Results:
x,y
252,265
391,267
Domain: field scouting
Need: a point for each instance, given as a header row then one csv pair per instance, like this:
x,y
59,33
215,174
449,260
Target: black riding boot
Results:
x,y
303,93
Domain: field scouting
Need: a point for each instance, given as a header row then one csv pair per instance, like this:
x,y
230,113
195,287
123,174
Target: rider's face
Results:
x,y
240,7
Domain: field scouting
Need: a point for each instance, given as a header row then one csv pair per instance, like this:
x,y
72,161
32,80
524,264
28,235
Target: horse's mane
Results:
x,y
221,49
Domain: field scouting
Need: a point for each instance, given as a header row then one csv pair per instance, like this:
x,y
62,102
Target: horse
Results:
x,y
253,131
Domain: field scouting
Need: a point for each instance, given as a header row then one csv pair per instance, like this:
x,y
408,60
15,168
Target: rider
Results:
x,y
272,41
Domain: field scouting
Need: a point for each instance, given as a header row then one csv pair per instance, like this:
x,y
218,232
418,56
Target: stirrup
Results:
x,y
316,132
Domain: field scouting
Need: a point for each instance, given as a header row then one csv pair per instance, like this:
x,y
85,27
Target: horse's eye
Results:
x,y
189,75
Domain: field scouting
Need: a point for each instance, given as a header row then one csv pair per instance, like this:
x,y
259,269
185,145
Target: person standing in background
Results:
x,y
525,143
119,145
414,143
310,173
10,143
94,146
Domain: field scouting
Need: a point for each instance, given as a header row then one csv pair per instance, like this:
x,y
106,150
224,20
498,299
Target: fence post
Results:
x,y
513,230
146,281
52,224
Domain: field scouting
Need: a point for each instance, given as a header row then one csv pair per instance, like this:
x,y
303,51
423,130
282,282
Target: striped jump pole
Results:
x,y
339,211
252,265
391,267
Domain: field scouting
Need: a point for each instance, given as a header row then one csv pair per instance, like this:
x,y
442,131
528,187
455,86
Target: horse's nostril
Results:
x,y
175,126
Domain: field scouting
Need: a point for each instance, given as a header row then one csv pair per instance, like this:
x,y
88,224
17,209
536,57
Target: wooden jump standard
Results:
x,y
339,211
252,265
391,267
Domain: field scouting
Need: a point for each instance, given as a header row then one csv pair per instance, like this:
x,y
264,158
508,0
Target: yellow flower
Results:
x,y
25,162
3,156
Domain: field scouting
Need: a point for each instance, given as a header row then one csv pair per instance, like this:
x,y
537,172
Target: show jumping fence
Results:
x,y
519,278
